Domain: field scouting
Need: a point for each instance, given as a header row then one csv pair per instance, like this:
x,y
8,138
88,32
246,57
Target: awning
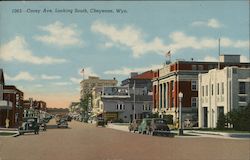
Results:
x,y
5,105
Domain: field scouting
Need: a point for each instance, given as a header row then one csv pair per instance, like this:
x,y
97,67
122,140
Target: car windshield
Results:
x,y
160,121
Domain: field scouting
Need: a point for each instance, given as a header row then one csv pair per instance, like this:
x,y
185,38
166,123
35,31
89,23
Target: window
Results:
x,y
242,88
172,82
133,108
206,90
212,90
200,67
194,85
210,66
172,102
203,92
194,67
242,99
222,88
120,106
194,102
218,88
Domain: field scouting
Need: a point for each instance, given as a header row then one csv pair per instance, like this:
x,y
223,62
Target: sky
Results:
x,y
45,45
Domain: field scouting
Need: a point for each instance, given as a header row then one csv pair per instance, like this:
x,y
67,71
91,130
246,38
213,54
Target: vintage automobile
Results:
x,y
42,124
159,126
134,125
100,122
62,123
29,125
143,127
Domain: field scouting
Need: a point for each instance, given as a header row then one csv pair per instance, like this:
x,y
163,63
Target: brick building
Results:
x,y
11,104
15,114
182,76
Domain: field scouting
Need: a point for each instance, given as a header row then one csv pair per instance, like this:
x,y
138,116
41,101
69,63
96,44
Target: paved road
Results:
x,y
87,142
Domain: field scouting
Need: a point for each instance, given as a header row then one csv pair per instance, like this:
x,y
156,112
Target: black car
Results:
x,y
29,125
159,126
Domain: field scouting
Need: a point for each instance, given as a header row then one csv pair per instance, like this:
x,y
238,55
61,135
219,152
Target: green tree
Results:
x,y
221,121
240,118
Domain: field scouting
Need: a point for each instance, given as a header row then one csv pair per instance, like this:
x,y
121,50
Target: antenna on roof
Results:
x,y
219,55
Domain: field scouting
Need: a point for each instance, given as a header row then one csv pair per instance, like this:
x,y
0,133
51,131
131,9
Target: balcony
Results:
x,y
5,104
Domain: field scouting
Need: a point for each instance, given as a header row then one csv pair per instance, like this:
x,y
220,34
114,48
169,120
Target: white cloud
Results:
x,y
26,76
126,71
60,35
76,80
61,83
182,41
47,77
17,50
88,71
128,36
211,23
132,38
210,59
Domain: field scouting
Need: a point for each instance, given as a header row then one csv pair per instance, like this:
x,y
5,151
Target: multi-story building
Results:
x,y
88,84
221,91
132,100
34,108
15,115
182,76
11,104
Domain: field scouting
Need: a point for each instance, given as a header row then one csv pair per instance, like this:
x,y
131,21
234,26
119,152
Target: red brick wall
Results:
x,y
185,88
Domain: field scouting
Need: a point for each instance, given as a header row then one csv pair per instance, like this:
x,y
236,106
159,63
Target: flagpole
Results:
x,y
219,55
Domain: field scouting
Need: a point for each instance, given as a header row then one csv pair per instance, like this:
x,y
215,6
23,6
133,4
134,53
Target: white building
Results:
x,y
222,91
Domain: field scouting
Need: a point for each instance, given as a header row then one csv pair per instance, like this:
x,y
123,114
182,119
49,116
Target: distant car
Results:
x,y
42,125
29,125
100,122
143,127
134,125
159,126
62,124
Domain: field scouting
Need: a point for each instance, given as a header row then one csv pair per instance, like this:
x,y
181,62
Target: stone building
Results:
x,y
221,91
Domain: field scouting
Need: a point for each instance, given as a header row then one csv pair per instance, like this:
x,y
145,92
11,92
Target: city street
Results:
x,y
83,141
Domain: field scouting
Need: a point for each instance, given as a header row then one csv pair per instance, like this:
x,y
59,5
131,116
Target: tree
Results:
x,y
221,121
240,118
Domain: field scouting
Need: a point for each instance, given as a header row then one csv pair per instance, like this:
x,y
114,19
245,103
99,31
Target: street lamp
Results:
x,y
180,116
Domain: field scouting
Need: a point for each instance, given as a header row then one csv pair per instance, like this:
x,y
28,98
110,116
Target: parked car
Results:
x,y
62,123
29,125
134,125
100,122
143,127
159,126
42,124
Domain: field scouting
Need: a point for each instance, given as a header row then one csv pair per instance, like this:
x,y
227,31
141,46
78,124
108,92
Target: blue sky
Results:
x,y
43,53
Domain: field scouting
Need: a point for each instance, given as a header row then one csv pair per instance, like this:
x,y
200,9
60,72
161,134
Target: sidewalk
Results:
x,y
195,133
12,131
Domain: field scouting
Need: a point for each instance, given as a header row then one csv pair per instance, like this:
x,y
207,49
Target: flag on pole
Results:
x,y
168,54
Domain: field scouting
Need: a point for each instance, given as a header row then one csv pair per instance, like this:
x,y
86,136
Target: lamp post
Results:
x,y
180,115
